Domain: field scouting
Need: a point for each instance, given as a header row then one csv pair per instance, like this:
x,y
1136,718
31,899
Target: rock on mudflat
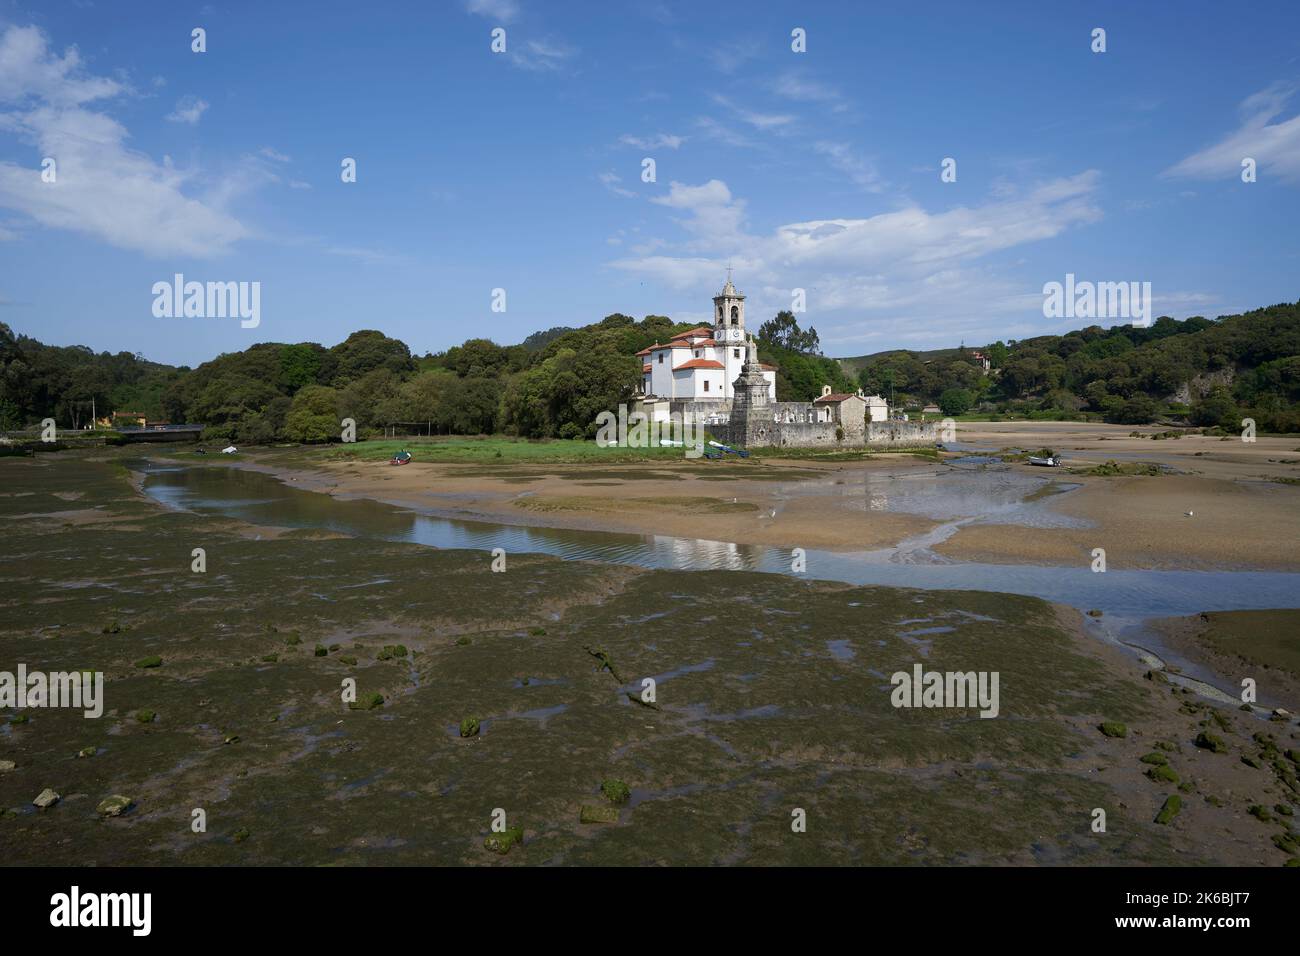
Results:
x,y
113,806
594,814
46,798
7,765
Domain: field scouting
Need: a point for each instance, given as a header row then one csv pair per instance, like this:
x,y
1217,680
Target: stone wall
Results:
x,y
806,432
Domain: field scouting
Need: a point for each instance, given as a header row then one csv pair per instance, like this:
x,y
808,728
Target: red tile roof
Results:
x,y
703,330
699,363
838,397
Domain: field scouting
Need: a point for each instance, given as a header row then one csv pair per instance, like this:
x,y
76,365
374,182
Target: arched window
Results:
x,y
719,315
735,314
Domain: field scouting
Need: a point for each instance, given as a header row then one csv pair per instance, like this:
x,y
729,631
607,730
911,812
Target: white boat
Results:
x,y
1048,462
229,450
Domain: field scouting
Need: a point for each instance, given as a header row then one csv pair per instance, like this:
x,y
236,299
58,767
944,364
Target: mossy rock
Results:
x,y
1173,803
1293,755
1154,758
598,814
321,650
537,631
1223,722
270,658
114,627
113,806
390,651
1158,677
463,642
1250,761
145,716
1294,861
367,702
1211,742
1094,613
19,719
1283,809
293,640
151,661
350,661
1286,842
616,791
469,727
1163,773
1113,728
503,841
242,834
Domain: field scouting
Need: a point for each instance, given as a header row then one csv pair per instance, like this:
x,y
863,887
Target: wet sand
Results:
x,y
1241,516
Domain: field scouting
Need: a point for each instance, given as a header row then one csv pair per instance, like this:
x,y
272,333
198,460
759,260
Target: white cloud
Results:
x,y
762,121
1275,147
502,11
795,86
909,265
540,55
188,110
861,172
658,141
105,190
274,154
611,182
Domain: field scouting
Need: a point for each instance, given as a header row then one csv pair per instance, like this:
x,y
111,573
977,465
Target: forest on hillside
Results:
x,y
1205,372
552,385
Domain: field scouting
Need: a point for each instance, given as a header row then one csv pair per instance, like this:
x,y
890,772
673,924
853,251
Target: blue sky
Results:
x,y
522,170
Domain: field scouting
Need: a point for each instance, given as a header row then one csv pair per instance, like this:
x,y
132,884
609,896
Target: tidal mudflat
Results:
x,y
521,691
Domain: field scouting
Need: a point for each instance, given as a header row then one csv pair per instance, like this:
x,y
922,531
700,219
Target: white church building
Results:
x,y
702,364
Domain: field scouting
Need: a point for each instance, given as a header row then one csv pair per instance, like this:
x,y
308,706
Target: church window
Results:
x,y
706,384
661,358
735,353
735,314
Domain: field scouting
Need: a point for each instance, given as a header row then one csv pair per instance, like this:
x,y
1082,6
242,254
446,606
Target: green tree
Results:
x,y
955,401
313,416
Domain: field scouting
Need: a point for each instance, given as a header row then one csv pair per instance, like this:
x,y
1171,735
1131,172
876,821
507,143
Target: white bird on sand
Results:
x,y
1188,514
772,513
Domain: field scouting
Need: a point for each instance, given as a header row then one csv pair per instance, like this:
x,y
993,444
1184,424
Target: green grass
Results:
x,y
479,450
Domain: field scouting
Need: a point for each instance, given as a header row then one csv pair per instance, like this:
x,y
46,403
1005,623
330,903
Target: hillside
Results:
x,y
553,385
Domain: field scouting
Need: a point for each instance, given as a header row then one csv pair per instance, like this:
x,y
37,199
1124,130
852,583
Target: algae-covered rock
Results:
x,y
1173,804
1286,842
1162,773
1211,742
537,631
293,640
1113,728
390,651
1283,809
19,719
113,627
270,658
598,814
1250,761
145,716
242,834
86,752
7,765
321,650
615,791
368,702
1260,813
46,798
463,641
469,727
113,806
152,660
1154,758
503,841
350,661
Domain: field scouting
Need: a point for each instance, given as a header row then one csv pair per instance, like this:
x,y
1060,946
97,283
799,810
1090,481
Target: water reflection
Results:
x,y
261,499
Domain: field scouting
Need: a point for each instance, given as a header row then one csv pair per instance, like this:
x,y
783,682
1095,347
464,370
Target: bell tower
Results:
x,y
729,314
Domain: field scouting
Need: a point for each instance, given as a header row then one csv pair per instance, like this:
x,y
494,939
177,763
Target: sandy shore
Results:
x,y
1241,516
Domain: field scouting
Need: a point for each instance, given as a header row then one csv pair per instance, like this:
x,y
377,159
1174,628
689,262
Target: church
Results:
x,y
702,364
713,375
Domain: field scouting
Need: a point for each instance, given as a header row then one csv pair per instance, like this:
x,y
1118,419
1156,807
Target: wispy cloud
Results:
x,y
658,141
541,56
502,11
761,121
1275,146
860,171
611,182
798,87
188,110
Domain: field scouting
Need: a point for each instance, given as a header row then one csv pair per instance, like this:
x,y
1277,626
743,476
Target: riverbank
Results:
x,y
1225,506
